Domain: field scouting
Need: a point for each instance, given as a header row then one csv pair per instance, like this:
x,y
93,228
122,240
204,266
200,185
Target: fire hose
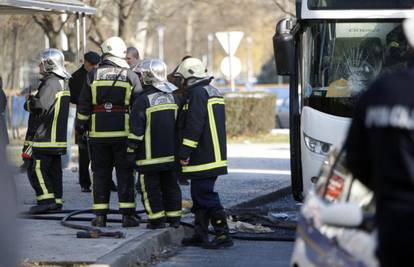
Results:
x,y
285,232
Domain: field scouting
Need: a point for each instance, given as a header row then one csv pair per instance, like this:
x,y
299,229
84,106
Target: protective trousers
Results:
x,y
104,157
45,176
161,195
204,197
84,177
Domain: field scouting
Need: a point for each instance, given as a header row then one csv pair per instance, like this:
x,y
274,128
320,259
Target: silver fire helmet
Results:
x,y
53,61
154,72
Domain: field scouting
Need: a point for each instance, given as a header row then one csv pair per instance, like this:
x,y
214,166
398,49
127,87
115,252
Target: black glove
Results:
x,y
81,127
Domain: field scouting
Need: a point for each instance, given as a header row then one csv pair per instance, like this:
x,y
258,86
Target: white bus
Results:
x,y
332,51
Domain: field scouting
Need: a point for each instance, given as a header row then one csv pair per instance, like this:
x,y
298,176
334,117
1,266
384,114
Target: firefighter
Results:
x,y
202,152
103,112
380,153
49,111
152,143
180,94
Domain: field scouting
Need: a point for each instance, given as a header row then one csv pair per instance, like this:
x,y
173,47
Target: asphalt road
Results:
x,y
251,168
242,254
254,170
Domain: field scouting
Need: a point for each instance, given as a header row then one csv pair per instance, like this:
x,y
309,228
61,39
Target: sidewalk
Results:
x,y
49,242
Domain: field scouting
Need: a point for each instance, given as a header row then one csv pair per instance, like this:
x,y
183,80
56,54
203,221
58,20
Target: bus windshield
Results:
x,y
340,60
360,4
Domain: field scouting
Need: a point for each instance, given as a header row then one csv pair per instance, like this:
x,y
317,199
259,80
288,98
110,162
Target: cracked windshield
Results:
x,y
345,58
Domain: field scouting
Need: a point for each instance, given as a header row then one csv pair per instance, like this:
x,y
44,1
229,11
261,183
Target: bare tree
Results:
x,y
51,25
285,6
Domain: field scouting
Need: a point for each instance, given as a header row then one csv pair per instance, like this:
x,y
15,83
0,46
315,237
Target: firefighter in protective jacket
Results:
x,y
49,111
152,143
202,151
103,112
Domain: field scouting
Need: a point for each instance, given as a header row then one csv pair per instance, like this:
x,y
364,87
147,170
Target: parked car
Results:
x,y
335,225
282,106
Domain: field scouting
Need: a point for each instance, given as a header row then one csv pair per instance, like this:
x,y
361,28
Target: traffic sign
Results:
x,y
230,41
232,62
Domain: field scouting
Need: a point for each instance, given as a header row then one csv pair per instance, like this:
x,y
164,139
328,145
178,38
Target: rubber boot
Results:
x,y
99,221
130,221
222,237
200,236
38,209
156,224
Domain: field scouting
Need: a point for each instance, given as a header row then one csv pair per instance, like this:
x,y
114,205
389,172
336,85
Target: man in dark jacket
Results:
x,y
3,109
152,143
380,153
91,61
49,110
202,153
103,113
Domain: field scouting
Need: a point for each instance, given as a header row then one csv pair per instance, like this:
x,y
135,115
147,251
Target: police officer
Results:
x,y
49,110
103,111
202,152
152,142
380,153
91,61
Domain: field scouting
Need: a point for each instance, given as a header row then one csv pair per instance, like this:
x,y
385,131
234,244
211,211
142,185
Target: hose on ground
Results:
x,y
94,232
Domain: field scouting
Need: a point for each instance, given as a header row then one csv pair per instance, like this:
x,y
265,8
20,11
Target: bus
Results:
x,y
332,51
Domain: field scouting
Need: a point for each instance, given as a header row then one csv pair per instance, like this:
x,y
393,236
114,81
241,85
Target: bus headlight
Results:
x,y
317,146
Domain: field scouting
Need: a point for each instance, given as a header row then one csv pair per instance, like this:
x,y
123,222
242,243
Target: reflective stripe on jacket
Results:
x,y
203,132
153,130
106,89
49,111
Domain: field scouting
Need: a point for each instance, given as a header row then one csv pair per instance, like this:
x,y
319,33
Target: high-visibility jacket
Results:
x,y
49,111
153,130
105,101
202,131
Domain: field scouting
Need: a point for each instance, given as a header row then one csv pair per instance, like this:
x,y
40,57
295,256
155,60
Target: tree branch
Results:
x,y
283,8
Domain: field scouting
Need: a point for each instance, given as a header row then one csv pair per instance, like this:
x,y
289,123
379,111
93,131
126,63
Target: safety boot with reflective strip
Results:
x,y
221,231
200,236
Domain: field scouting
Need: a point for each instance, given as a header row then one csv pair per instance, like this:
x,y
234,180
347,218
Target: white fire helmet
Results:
x,y
114,46
191,68
154,72
53,61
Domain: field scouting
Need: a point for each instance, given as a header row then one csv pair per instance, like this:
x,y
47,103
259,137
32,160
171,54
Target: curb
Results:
x,y
140,250
264,199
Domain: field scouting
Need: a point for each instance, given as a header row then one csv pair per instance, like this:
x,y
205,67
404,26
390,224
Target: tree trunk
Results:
x,y
123,20
189,32
140,38
15,32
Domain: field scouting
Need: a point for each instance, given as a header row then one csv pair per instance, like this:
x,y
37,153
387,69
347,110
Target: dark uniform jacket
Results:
x,y
380,150
105,101
76,83
49,110
3,107
202,131
153,130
